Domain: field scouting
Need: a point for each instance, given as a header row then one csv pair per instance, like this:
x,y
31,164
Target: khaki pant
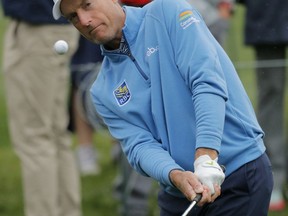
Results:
x,y
36,81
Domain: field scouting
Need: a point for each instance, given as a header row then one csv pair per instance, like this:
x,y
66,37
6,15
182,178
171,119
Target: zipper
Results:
x,y
137,66
126,51
134,60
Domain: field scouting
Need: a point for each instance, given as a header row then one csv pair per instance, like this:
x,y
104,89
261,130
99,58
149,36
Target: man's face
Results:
x,y
100,21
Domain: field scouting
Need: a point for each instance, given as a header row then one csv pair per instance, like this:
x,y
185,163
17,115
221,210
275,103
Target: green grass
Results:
x,y
10,186
4,139
97,190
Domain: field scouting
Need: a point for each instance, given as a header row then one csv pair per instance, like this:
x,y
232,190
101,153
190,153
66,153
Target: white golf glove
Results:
x,y
208,172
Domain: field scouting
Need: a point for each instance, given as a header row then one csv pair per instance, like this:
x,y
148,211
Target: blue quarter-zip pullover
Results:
x,y
174,90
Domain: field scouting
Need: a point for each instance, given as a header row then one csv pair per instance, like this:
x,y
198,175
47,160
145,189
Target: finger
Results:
x,y
189,193
186,185
206,197
217,193
196,186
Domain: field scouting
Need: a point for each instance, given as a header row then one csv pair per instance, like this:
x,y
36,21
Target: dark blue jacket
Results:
x,y
31,11
266,22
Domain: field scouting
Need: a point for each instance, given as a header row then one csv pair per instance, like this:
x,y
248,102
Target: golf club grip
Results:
x,y
197,198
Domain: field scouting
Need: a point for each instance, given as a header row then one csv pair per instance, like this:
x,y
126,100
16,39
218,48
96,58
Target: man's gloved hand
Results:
x,y
208,172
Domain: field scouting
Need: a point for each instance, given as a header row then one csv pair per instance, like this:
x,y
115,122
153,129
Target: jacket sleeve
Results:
x,y
144,153
196,56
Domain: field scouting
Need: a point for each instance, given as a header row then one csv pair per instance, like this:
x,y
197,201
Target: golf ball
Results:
x,y
61,47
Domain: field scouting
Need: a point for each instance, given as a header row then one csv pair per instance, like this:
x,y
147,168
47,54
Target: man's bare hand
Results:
x,y
188,183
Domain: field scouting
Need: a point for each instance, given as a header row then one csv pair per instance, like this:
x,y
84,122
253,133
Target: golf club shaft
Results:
x,y
193,203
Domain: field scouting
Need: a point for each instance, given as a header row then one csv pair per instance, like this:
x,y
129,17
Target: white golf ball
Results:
x,y
61,47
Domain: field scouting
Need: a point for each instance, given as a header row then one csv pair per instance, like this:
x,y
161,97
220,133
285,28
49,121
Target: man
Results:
x,y
36,86
171,96
269,42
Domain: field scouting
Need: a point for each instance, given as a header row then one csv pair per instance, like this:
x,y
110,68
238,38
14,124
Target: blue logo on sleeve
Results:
x,y
122,94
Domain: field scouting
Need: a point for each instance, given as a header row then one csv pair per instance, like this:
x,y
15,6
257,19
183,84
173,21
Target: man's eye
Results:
x,y
73,18
87,4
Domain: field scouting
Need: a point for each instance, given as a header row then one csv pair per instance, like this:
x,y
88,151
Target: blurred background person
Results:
x,y
217,15
266,30
36,85
84,67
